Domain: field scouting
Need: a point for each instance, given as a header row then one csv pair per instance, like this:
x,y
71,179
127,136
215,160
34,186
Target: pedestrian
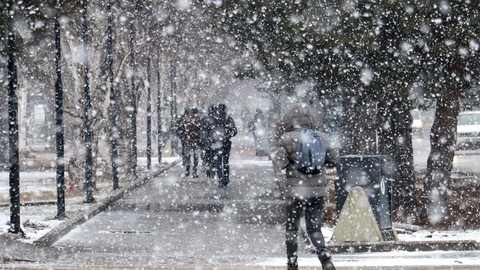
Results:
x,y
189,133
206,142
257,125
222,130
305,191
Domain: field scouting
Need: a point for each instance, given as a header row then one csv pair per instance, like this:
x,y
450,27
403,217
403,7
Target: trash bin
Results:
x,y
374,173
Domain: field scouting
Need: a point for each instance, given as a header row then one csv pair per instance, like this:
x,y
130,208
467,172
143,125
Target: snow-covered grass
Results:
x,y
39,219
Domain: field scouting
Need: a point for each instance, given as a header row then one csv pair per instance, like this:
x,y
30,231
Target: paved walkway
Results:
x,y
174,219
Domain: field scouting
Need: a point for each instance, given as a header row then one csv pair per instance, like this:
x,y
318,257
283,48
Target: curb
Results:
x,y
15,251
449,245
62,229
33,203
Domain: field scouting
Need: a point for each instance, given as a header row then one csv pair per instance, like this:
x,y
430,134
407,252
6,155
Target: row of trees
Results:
x,y
371,53
95,64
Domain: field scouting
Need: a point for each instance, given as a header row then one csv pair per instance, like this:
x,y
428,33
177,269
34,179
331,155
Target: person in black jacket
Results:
x,y
257,125
222,130
206,142
189,132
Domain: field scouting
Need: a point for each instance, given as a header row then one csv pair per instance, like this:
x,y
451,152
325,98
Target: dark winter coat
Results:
x,y
300,185
222,128
205,126
189,129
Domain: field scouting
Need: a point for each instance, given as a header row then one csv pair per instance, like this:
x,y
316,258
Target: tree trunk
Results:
x,y
14,162
133,89
87,108
395,140
159,115
3,133
113,99
358,128
173,108
149,117
440,160
442,143
59,130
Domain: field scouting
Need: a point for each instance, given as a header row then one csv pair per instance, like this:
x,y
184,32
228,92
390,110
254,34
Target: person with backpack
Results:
x,y
222,130
304,152
189,133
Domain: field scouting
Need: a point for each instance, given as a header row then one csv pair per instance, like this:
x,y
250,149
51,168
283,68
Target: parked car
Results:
x,y
468,130
417,124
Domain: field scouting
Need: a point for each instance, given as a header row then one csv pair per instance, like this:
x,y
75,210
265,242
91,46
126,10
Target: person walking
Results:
x,y
189,133
305,190
257,125
222,130
206,142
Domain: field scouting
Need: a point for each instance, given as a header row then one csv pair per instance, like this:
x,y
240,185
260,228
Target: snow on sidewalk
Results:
x,y
38,201
38,220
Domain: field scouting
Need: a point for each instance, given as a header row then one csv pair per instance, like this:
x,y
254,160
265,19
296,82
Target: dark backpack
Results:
x,y
311,152
190,129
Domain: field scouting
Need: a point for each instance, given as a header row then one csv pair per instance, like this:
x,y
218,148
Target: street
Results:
x,y
464,160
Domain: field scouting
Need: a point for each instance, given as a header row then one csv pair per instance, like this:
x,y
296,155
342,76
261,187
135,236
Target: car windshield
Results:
x,y
469,119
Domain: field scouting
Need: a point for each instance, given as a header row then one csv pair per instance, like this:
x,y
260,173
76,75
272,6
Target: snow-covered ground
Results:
x,y
38,220
39,186
391,260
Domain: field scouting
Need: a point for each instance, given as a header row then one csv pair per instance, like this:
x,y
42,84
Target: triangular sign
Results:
x,y
357,222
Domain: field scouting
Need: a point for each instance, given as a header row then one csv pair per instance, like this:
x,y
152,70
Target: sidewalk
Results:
x,y
38,210
38,201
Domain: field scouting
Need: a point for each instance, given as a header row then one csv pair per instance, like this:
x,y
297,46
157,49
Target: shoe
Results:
x,y
292,266
328,265
326,260
195,175
187,173
292,263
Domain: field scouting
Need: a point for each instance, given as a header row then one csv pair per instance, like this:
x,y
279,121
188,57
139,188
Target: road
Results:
x,y
464,160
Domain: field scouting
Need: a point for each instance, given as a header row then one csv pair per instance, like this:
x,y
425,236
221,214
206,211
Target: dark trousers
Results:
x,y
208,154
221,161
187,152
313,209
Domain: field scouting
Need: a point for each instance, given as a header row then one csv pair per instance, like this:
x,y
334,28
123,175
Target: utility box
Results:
x,y
374,173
